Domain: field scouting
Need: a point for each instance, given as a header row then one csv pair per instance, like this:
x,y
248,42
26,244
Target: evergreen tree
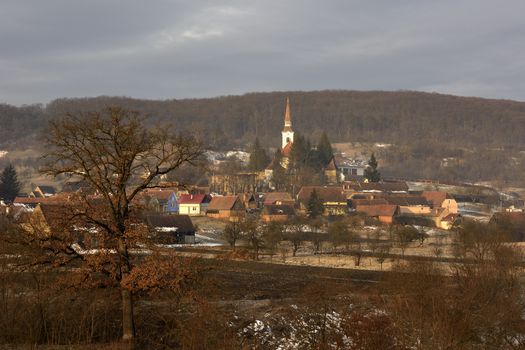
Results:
x,y
279,178
325,149
299,152
9,185
315,205
371,172
258,157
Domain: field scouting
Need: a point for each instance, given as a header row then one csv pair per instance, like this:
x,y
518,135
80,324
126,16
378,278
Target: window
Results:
x,y
354,171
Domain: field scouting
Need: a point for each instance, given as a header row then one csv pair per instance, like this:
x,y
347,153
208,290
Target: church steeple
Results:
x,y
287,116
287,133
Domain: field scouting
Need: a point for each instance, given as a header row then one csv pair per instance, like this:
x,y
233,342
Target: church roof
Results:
x,y
287,149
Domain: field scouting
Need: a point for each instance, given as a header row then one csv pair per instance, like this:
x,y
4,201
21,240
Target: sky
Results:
x,y
162,49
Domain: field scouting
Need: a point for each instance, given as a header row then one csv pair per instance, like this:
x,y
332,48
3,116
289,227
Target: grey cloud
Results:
x,y
175,49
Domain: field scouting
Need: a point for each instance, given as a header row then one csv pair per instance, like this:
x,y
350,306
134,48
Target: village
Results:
x,y
346,212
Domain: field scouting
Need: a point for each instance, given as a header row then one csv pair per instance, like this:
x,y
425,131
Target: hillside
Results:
x,y
422,126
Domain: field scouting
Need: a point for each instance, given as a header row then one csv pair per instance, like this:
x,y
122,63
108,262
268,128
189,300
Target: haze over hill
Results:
x,y
424,127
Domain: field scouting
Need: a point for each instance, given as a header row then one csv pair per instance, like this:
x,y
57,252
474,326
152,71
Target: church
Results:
x,y
287,135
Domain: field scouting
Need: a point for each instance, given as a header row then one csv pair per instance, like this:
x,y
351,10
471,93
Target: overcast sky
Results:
x,y
175,49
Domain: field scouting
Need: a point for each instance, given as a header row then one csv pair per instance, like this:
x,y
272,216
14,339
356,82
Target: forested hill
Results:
x,y
402,117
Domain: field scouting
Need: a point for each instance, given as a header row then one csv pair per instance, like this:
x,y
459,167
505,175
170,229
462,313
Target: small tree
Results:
x,y
272,236
315,205
317,237
254,235
296,234
404,235
382,253
258,157
9,185
232,233
371,172
325,149
338,234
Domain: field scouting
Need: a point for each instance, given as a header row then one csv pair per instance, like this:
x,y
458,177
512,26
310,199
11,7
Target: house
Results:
x,y
331,172
160,200
32,202
60,220
278,198
193,204
172,229
226,207
279,213
349,169
409,204
333,198
383,212
447,222
43,191
439,199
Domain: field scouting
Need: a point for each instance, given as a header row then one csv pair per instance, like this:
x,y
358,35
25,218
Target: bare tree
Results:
x,y
232,233
272,236
119,157
253,234
296,234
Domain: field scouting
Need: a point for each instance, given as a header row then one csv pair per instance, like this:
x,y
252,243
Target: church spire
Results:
x,y
287,116
287,133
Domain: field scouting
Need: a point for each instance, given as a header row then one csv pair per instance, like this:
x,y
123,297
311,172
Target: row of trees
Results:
x,y
315,232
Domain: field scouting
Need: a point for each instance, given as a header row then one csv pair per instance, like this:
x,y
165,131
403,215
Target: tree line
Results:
x,y
450,126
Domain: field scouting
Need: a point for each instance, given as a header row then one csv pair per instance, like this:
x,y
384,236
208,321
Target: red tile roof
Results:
x,y
274,197
222,203
435,197
287,149
194,198
377,209
327,194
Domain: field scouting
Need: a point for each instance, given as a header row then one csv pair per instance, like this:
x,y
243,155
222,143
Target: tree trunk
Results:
x,y
128,326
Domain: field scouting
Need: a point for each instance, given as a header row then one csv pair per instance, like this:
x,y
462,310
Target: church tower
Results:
x,y
287,133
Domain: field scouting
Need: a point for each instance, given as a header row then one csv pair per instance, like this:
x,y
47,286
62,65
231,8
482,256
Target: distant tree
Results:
x,y
405,235
279,178
254,235
317,237
9,185
272,236
315,205
371,172
232,233
314,160
299,152
296,234
338,234
382,253
325,149
258,157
